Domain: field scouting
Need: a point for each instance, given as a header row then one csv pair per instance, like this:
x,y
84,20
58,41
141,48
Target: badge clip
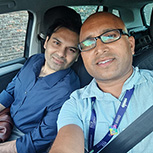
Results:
x,y
113,130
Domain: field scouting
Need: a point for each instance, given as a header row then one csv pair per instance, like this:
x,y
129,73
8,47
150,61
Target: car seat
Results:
x,y
81,71
143,58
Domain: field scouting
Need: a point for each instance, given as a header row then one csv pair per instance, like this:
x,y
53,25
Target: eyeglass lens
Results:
x,y
106,37
110,36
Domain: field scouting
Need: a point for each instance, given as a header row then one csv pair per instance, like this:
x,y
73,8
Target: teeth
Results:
x,y
104,62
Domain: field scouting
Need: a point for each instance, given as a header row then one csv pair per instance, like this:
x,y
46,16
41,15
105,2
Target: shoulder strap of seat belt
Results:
x,y
132,135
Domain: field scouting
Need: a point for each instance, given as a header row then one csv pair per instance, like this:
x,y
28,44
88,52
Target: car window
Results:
x,y
12,33
147,13
86,11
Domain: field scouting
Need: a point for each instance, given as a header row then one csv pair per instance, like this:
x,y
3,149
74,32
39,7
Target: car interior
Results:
x,y
136,14
130,12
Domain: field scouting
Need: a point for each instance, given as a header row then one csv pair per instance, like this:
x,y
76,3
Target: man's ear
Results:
x,y
132,44
46,41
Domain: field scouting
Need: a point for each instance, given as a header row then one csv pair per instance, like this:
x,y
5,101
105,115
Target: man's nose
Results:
x,y
62,52
100,46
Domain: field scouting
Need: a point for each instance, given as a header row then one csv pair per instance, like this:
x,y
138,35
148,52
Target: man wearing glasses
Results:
x,y
96,114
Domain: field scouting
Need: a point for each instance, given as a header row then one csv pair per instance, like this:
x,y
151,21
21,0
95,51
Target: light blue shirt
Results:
x,y
77,110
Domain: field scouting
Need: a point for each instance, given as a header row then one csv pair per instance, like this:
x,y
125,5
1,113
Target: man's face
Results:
x,y
61,49
107,62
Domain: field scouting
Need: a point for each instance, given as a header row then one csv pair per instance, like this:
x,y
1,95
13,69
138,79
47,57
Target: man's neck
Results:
x,y
114,87
45,71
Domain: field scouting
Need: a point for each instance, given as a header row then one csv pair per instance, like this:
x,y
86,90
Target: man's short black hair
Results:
x,y
66,23
61,16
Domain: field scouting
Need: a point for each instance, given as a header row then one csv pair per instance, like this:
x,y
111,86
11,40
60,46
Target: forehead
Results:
x,y
62,30
99,23
66,36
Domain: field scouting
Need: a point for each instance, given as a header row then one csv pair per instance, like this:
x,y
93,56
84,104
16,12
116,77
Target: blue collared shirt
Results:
x,y
77,110
35,103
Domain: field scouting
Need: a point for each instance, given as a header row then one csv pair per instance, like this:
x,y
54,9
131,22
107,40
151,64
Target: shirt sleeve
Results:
x,y
40,137
6,96
69,114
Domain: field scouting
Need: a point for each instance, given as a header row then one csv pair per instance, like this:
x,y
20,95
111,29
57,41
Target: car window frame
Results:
x,y
26,45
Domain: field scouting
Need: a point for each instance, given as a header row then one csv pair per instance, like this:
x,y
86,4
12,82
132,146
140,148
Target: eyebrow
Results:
x,y
68,46
105,30
76,48
56,39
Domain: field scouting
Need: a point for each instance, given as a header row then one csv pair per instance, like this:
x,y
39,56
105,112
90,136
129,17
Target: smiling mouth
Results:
x,y
58,61
105,62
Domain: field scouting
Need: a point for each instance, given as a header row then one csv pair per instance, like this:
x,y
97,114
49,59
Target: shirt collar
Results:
x,y
53,78
92,90
38,64
134,80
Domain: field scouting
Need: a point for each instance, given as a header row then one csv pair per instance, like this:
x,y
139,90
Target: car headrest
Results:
x,y
151,25
58,12
80,70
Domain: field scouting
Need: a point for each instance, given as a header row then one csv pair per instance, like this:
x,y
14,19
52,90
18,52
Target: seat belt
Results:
x,y
132,135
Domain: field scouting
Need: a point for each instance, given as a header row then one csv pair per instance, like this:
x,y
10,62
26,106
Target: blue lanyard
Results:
x,y
113,129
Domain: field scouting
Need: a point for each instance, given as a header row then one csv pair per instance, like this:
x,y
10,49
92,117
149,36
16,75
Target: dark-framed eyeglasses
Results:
x,y
106,37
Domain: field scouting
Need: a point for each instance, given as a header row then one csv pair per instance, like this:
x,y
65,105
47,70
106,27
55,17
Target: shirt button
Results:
x,y
25,92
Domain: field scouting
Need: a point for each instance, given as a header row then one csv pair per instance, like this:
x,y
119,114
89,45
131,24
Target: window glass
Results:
x,y
147,13
86,11
116,12
12,35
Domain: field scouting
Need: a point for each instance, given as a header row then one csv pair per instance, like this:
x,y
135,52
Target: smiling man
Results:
x,y
45,82
97,113
60,50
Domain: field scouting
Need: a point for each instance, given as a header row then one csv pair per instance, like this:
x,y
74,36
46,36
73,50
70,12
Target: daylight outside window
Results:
x,y
12,35
86,11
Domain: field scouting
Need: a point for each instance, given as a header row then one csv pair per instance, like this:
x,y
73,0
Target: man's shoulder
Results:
x,y
145,72
72,80
83,92
35,57
143,76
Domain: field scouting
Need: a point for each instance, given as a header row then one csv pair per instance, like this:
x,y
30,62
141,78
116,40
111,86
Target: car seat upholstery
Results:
x,y
151,26
143,57
80,70
144,60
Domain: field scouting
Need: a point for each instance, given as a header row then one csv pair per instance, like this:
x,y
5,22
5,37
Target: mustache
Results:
x,y
59,58
106,55
103,57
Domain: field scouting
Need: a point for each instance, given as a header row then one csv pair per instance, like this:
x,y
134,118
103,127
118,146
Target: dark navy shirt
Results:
x,y
36,101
